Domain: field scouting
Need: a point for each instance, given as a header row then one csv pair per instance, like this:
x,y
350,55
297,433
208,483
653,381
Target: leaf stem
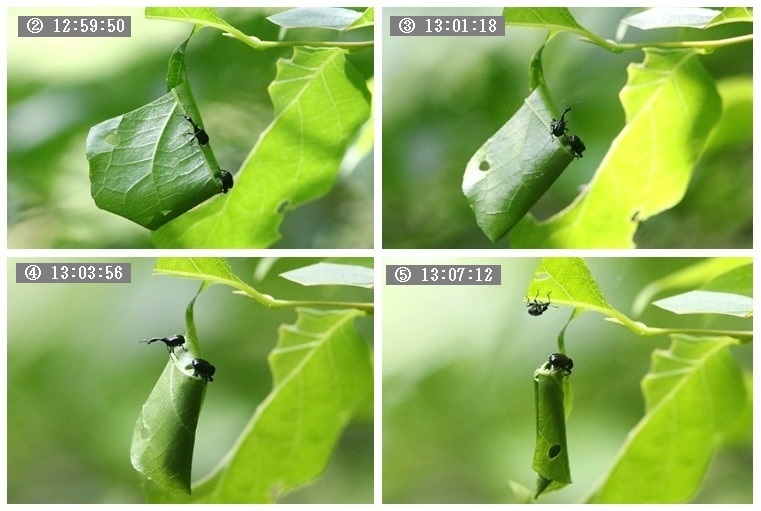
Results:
x,y
260,45
698,45
275,303
647,331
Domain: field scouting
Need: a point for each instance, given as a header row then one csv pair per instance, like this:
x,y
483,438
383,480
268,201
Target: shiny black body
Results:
x,y
537,308
560,361
577,146
227,180
203,368
557,126
198,132
171,342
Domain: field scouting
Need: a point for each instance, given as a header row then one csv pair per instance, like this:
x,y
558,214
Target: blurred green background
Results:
x,y
444,96
59,88
77,379
458,394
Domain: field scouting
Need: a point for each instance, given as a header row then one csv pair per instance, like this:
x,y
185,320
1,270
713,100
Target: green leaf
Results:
x,y
737,280
551,451
322,374
554,18
708,302
164,435
671,105
334,18
211,269
666,17
515,167
735,128
693,393
145,167
568,281
733,15
366,20
327,274
320,103
691,276
204,16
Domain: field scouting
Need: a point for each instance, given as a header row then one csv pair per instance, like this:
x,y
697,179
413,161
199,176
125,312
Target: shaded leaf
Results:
x,y
694,392
326,274
671,106
708,302
145,167
320,103
551,450
164,435
738,281
515,167
334,18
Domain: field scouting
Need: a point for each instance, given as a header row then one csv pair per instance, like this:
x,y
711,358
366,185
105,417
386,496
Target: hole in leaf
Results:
x,y
112,138
554,451
484,165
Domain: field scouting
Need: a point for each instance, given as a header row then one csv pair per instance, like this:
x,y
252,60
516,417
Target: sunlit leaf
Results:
x,y
693,393
322,374
320,102
671,105
567,280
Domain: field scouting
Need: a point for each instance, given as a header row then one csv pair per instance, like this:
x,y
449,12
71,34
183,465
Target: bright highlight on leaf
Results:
x,y
708,302
666,17
324,274
335,18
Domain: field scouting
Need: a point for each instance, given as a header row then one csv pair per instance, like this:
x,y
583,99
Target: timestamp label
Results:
x,y
74,26
447,25
444,275
73,273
